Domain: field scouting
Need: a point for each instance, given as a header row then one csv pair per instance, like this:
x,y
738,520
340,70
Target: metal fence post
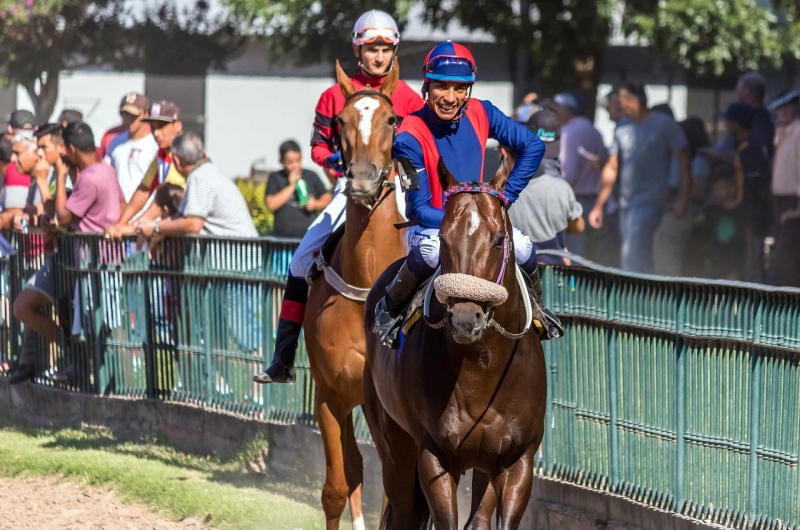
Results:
x,y
680,394
755,408
613,384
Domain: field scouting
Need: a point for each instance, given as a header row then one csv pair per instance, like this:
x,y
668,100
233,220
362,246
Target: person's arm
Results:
x,y
63,215
276,201
529,148
321,196
575,226
322,147
685,165
607,180
570,159
320,203
172,227
418,202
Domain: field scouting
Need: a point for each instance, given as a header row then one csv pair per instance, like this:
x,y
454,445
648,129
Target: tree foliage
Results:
x,y
42,38
310,30
711,37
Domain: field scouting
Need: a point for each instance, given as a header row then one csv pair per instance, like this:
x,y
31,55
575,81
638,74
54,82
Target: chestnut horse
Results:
x,y
334,324
466,391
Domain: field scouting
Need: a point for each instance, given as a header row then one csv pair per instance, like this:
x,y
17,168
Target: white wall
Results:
x,y
96,94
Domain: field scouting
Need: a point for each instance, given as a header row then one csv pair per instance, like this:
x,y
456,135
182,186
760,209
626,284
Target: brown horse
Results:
x,y
334,324
460,394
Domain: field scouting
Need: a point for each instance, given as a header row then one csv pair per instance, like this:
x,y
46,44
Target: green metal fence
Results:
x,y
682,394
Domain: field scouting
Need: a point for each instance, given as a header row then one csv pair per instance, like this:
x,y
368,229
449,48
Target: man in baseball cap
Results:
x,y
547,209
132,152
21,120
165,121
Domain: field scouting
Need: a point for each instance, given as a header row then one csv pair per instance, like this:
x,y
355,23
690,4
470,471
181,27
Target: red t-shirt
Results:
x,y
17,186
404,99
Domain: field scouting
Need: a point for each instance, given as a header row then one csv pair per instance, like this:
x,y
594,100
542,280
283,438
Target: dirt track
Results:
x,y
45,503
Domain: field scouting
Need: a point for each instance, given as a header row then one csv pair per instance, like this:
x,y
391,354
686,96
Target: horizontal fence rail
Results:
x,y
682,394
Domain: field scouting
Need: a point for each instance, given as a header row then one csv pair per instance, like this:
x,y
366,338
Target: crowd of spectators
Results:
x,y
662,199
147,177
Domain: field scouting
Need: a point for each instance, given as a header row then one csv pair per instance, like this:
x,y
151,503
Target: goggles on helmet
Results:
x,y
450,68
373,35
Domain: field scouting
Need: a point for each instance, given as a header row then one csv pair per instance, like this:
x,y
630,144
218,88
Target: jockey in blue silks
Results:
x,y
454,127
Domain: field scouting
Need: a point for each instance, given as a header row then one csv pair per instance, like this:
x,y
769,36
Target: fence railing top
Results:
x,y
596,267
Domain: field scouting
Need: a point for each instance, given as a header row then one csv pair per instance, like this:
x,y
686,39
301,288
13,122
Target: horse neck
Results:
x,y
371,242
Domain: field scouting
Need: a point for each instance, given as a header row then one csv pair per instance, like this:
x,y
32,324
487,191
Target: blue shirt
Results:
x,y
460,148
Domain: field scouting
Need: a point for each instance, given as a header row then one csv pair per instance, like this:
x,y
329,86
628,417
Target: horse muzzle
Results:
x,y
467,321
365,181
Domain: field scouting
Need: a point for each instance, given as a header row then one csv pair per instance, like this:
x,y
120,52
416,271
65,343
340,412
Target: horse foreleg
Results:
x,y
484,501
354,472
335,491
440,489
513,487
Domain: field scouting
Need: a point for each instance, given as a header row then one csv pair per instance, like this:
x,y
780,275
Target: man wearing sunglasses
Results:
x,y
454,127
375,41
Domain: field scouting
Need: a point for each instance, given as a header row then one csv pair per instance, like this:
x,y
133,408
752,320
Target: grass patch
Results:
x,y
166,480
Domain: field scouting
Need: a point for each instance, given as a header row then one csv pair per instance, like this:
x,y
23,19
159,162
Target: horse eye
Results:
x,y
499,242
392,121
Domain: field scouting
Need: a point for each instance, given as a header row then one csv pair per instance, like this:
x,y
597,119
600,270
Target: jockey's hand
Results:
x,y
596,218
335,162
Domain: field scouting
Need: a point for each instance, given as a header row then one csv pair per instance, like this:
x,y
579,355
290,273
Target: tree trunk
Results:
x,y
45,101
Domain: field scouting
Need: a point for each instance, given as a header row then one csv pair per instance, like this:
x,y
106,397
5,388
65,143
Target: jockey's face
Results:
x,y
446,99
375,58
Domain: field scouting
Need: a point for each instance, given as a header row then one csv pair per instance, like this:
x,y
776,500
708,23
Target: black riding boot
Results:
x,y
387,312
281,370
551,324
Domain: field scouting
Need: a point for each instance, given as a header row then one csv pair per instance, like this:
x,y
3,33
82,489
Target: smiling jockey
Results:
x,y
375,41
454,127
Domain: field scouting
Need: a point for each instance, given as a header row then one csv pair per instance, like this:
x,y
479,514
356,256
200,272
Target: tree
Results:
x,y
711,37
308,31
43,38
164,41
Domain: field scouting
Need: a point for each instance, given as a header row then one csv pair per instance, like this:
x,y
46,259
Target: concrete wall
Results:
x,y
296,454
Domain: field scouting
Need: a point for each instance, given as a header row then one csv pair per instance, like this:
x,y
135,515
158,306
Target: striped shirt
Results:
x,y
214,197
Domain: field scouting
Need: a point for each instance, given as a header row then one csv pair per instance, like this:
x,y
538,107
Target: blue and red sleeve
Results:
x,y
418,202
529,148
322,137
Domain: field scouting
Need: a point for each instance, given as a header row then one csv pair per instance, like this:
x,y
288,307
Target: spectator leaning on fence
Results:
x,y
32,306
165,121
132,152
294,194
17,184
212,204
27,163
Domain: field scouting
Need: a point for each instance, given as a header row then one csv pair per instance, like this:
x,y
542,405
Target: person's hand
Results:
x,y
311,205
680,209
41,170
119,230
295,175
156,246
529,98
334,162
145,228
596,218
17,223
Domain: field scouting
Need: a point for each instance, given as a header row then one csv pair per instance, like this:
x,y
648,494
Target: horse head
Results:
x,y
367,127
475,251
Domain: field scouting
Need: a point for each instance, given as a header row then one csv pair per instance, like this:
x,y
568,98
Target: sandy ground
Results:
x,y
46,503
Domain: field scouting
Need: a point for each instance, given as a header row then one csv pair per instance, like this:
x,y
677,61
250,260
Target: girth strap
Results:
x,y
357,294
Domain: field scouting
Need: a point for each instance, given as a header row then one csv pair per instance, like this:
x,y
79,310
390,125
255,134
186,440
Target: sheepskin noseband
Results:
x,y
470,288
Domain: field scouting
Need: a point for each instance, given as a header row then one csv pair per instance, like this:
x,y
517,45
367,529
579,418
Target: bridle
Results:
x,y
384,172
489,312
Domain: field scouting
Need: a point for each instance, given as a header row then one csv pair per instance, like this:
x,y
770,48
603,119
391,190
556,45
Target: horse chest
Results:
x,y
475,436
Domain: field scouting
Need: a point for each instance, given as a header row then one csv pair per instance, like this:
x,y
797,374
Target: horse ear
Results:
x,y
499,180
446,179
390,83
344,82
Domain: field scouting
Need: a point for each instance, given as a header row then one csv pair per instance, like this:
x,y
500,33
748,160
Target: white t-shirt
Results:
x,y
131,158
